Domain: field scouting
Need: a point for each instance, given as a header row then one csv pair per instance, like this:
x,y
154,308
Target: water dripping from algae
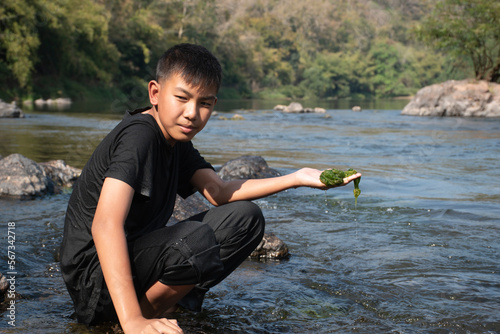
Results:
x,y
335,177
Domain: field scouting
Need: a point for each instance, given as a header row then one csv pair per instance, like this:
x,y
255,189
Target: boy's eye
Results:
x,y
181,97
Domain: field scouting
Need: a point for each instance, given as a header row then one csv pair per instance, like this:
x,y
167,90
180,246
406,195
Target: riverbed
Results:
x,y
418,254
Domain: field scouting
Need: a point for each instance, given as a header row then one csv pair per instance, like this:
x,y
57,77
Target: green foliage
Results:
x,y
268,49
467,29
18,39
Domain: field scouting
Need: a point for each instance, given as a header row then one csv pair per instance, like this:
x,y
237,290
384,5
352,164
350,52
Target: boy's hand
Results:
x,y
309,177
152,326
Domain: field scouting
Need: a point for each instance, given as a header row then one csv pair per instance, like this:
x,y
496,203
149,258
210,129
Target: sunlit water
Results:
x,y
419,253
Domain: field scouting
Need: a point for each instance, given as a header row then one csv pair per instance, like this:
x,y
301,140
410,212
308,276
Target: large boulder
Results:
x,y
21,177
468,98
10,110
246,167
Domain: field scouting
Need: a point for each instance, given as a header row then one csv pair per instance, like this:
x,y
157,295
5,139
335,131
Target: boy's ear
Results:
x,y
153,90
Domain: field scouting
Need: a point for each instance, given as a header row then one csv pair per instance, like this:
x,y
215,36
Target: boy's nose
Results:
x,y
191,111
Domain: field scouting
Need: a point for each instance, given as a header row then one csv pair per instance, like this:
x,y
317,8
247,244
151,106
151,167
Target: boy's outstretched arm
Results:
x,y
219,192
111,245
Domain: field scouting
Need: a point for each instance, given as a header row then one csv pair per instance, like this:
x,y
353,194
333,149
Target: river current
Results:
x,y
418,254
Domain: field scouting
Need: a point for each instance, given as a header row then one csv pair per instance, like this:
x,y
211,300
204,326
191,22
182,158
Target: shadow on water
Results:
x,y
419,253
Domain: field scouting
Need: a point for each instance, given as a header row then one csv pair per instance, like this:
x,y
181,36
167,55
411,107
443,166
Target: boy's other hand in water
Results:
x,y
152,326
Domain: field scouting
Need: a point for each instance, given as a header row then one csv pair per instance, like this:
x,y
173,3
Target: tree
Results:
x,y
467,28
18,39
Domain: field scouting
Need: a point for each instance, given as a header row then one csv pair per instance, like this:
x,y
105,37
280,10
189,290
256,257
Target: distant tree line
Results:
x,y
268,48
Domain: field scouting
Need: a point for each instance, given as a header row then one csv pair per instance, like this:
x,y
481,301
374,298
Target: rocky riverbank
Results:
x,y
467,98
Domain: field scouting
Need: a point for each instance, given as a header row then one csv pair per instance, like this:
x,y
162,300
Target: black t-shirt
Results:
x,y
137,153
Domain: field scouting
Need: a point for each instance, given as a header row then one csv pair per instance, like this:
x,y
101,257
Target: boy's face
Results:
x,y
181,109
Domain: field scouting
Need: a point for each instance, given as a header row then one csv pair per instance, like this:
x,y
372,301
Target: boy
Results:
x,y
118,259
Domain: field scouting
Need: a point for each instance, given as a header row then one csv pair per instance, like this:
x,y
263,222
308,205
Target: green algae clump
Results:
x,y
335,177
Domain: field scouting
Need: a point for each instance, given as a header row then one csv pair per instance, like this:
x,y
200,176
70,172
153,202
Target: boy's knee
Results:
x,y
251,211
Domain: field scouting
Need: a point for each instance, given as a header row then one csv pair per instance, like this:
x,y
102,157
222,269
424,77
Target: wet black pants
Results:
x,y
202,250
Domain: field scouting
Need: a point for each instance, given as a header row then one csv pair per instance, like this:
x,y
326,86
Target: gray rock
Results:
x,y
185,208
271,247
280,107
10,110
246,167
21,177
296,107
467,98
60,173
59,103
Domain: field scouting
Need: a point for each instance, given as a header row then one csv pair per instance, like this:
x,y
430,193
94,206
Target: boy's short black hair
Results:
x,y
196,65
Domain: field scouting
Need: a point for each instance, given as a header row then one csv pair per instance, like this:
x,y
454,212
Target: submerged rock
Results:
x,y
468,98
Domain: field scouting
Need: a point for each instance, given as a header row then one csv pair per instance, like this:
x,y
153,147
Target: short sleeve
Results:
x,y
190,162
132,157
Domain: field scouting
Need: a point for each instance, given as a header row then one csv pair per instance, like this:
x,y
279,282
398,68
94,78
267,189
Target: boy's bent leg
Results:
x,y
168,262
238,228
161,299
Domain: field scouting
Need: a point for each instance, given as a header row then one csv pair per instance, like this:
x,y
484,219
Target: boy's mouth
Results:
x,y
187,128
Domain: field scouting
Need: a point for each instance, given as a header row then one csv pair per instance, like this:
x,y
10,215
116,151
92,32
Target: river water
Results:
x,y
418,254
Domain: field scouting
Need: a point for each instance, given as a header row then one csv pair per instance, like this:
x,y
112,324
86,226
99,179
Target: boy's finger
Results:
x,y
170,325
352,177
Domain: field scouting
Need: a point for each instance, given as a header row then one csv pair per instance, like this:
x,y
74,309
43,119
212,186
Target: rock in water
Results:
x,y
10,110
23,178
185,208
468,98
246,167
271,247
60,173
